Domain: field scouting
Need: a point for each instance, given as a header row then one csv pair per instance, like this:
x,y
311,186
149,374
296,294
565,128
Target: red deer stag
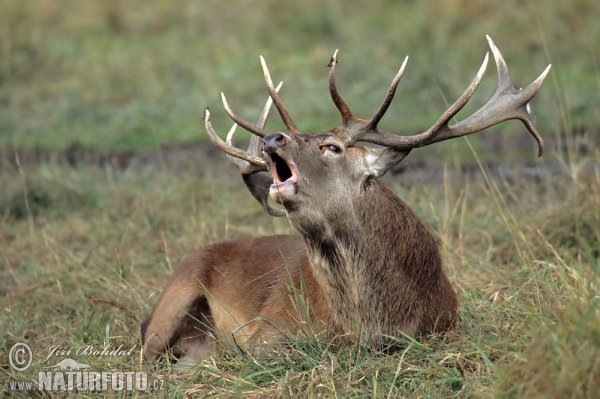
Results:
x,y
367,264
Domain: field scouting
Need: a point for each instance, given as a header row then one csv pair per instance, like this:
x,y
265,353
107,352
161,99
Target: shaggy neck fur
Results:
x,y
380,268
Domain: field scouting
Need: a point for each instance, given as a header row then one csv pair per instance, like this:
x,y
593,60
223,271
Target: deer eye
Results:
x,y
332,148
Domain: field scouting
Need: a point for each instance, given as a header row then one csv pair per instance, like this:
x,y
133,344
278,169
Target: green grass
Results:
x,y
134,74
86,256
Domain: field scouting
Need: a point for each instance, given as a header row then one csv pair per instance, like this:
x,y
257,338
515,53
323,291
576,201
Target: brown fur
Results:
x,y
392,285
220,288
366,262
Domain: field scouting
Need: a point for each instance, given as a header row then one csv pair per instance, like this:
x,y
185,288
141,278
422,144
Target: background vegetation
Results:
x,y
133,74
85,250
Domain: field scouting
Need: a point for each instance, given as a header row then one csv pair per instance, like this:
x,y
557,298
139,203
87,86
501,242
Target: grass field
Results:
x,y
90,250
85,250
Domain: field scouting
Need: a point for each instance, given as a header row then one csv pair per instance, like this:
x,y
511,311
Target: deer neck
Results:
x,y
367,256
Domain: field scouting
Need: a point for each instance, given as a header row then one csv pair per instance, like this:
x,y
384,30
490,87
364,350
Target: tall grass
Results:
x,y
85,251
85,260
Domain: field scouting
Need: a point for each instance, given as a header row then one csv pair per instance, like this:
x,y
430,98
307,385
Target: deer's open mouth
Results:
x,y
282,172
285,178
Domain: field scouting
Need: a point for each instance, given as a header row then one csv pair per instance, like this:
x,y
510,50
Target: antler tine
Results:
x,y
228,149
262,119
402,143
506,103
372,125
505,84
458,104
248,163
285,116
246,125
243,165
335,95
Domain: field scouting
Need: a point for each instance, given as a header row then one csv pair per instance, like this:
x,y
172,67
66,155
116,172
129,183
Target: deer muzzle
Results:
x,y
273,142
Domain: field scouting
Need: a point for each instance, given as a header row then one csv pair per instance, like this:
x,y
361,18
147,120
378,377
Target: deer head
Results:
x,y
328,169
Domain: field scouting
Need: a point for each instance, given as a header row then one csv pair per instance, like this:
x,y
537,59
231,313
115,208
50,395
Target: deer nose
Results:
x,y
272,142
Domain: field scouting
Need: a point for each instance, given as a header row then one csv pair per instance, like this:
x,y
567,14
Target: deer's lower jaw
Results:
x,y
281,191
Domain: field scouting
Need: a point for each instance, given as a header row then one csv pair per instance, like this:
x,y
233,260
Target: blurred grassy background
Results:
x,y
128,75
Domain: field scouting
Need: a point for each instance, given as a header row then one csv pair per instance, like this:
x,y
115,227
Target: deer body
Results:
x,y
356,282
218,291
364,266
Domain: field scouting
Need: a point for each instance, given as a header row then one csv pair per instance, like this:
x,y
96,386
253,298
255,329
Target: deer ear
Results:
x,y
380,160
259,185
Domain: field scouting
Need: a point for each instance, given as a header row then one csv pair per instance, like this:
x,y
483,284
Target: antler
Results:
x,y
255,129
248,162
347,116
289,123
230,150
506,103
